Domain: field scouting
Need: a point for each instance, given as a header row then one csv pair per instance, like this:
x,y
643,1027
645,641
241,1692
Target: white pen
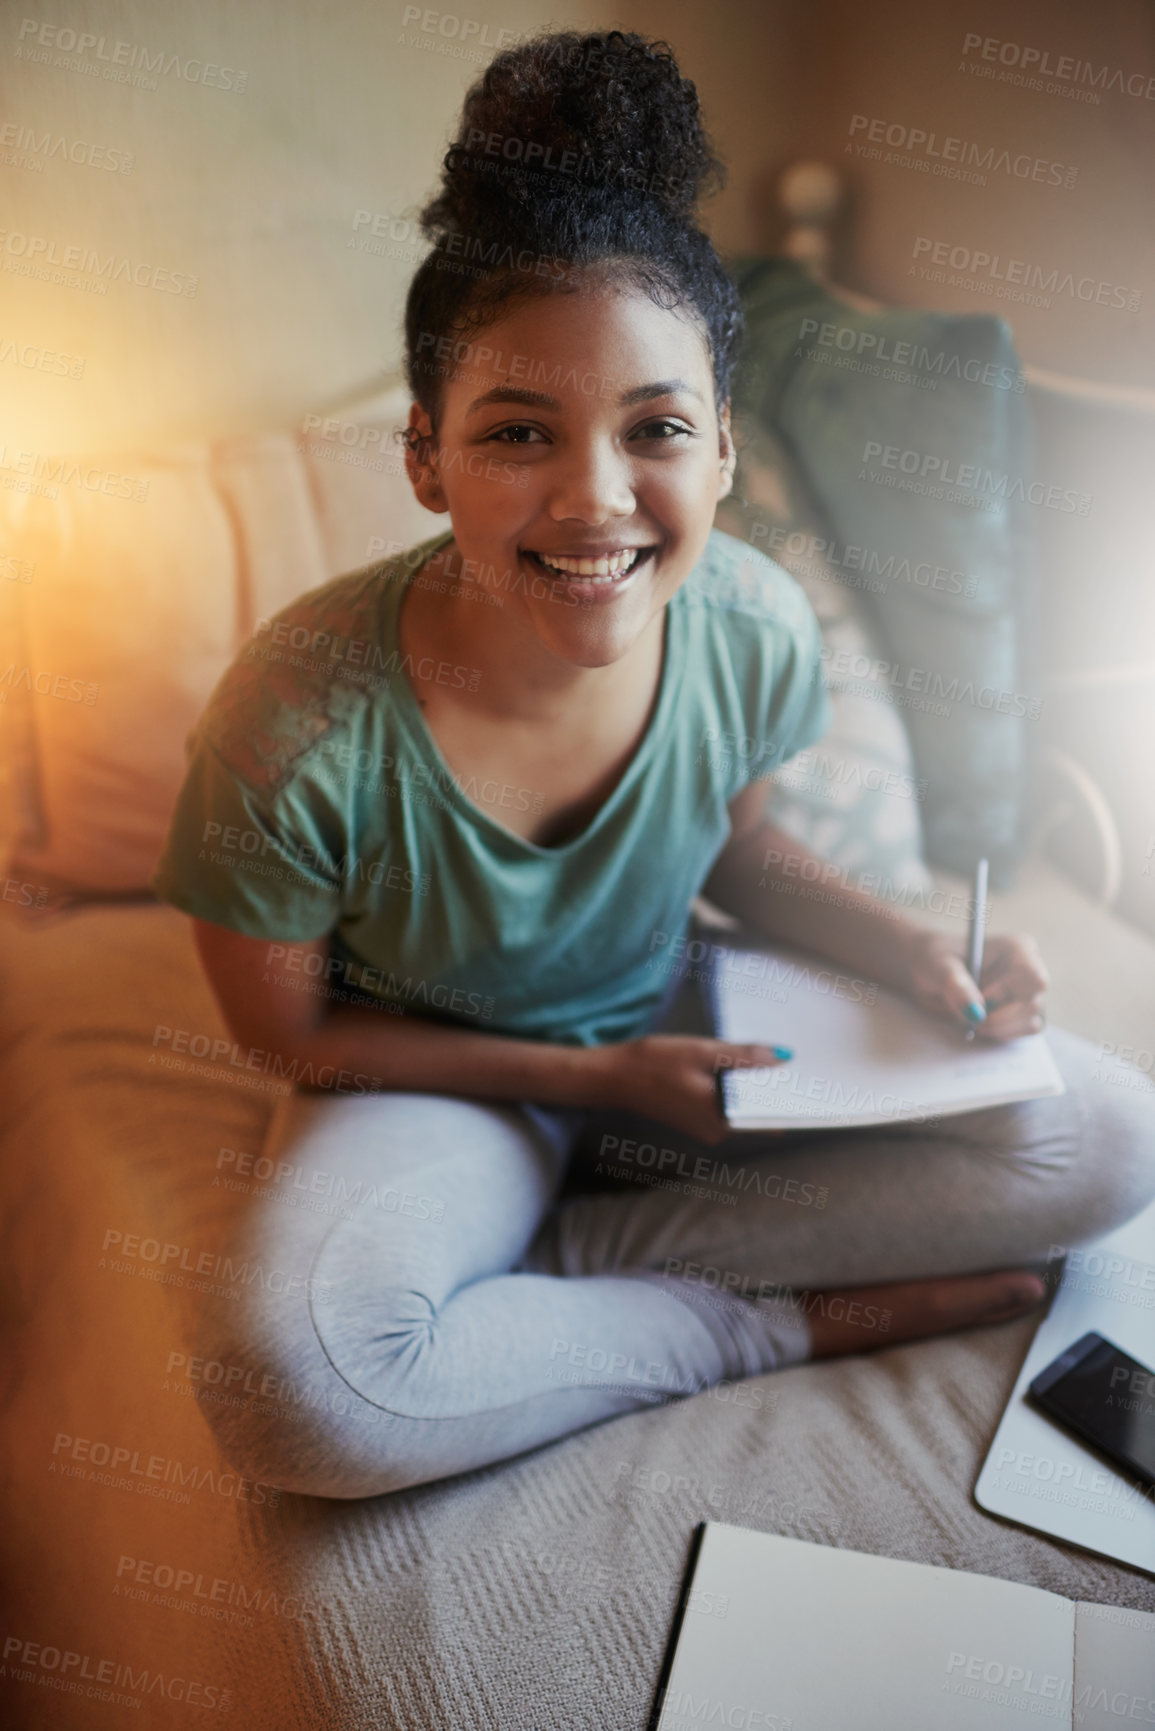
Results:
x,y
976,933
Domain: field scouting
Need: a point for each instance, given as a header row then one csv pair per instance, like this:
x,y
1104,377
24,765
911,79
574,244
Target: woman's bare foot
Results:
x,y
864,1318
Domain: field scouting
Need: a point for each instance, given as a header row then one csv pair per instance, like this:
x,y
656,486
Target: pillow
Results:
x,y
137,599
854,797
910,429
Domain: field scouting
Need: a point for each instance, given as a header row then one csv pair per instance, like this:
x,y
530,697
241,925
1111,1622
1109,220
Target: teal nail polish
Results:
x,y
975,1012
783,1052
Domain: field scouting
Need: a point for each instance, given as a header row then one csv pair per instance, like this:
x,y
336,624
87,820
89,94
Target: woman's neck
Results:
x,y
511,674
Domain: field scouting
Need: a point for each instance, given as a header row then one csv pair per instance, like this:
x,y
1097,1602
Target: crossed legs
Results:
x,y
418,1296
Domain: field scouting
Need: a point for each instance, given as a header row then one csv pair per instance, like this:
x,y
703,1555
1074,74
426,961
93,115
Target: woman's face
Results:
x,y
582,426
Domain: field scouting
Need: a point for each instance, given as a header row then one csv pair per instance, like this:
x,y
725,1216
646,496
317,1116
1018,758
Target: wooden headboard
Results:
x,y
811,193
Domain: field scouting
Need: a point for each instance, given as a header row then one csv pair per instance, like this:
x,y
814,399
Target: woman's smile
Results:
x,y
592,576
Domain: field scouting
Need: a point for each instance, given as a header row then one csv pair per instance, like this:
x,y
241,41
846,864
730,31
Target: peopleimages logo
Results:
x,y
1019,273
877,347
39,360
1038,63
107,1679
148,1579
704,1710
41,147
452,28
943,154
129,1469
36,252
121,62
301,1073
971,478
52,472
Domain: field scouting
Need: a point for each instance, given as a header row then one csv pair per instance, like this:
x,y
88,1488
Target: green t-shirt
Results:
x,y
316,802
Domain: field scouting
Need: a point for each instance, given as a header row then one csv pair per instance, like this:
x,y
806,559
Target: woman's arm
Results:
x,y
257,985
774,884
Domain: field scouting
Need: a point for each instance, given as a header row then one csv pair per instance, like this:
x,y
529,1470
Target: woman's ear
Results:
x,y
421,461
727,452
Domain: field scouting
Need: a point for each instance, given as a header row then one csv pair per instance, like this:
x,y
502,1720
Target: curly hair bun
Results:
x,y
574,152
567,118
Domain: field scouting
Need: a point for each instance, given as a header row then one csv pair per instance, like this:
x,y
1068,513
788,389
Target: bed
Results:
x,y
144,1576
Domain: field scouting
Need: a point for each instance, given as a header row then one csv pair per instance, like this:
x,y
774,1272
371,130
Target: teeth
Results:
x,y
601,570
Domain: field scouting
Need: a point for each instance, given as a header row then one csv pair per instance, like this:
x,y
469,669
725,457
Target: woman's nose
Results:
x,y
592,486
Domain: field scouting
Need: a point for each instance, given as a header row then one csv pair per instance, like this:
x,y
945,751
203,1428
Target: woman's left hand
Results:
x,y
1013,983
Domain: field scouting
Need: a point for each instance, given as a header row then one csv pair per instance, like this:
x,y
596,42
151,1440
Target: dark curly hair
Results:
x,y
574,150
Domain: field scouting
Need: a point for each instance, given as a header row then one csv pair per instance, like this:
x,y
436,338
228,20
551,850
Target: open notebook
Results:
x,y
862,1054
778,1633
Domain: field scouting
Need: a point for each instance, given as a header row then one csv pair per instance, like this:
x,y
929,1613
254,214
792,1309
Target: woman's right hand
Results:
x,y
674,1079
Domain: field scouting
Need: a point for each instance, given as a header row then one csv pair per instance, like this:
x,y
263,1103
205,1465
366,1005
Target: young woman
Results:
x,y
439,857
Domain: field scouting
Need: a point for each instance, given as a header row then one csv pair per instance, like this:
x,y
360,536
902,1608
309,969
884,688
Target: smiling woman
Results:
x,y
536,782
614,510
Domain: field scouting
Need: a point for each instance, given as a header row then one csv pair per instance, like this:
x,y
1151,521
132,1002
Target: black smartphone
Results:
x,y
1107,1398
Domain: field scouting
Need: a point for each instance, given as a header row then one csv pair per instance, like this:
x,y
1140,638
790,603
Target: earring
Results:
x,y
418,442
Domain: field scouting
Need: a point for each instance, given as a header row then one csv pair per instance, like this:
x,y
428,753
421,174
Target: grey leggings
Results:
x,y
424,1284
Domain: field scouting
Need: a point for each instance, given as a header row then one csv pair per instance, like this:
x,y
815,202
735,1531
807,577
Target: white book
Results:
x,y
1037,1472
781,1635
862,1053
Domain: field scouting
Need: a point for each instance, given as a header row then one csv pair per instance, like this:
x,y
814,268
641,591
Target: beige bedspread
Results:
x,y
529,1596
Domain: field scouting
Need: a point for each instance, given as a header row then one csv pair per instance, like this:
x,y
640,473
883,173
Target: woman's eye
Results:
x,y
506,435
663,430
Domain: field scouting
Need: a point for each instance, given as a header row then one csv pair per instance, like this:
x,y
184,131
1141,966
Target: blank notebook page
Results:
x,y
862,1054
789,1636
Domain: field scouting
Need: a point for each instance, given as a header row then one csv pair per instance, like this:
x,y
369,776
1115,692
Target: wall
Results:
x,y
244,188
253,189
915,68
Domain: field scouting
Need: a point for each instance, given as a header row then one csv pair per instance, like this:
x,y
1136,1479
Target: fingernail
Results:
x,y
1016,1294
782,1052
976,1012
